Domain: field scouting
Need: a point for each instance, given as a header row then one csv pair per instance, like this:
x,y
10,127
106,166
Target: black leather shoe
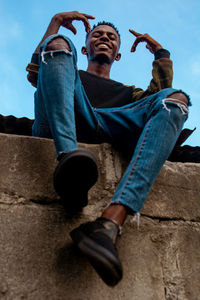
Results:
x,y
97,241
74,175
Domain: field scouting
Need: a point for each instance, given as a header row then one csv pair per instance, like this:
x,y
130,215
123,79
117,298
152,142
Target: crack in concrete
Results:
x,y
166,219
177,187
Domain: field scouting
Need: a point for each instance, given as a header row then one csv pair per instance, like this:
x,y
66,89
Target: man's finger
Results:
x,y
86,22
137,41
134,32
81,17
89,16
72,28
133,47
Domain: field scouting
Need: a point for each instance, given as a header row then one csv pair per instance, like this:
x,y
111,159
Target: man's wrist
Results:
x,y
161,53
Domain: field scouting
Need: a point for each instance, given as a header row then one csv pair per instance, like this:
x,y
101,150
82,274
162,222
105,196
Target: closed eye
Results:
x,y
96,34
112,37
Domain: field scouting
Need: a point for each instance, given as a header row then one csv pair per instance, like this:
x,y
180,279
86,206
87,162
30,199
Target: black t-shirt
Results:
x,y
103,92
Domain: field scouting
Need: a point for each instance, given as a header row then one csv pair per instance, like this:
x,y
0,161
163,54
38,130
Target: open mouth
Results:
x,y
103,46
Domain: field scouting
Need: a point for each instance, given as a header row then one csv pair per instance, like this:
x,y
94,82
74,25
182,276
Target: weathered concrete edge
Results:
x,y
28,164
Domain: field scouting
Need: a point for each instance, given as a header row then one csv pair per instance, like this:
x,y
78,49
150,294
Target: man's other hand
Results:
x,y
152,45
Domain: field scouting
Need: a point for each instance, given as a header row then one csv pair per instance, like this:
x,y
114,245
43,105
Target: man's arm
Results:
x,y
61,19
162,66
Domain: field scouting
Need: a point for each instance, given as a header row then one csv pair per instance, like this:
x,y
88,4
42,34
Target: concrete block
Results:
x,y
27,166
38,259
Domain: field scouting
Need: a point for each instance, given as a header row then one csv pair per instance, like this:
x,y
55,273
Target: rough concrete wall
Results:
x,y
161,258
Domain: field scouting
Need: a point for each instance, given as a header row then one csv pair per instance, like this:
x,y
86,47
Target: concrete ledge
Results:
x,y
37,258
27,166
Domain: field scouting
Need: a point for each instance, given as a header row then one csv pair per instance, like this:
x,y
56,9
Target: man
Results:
x,y
73,105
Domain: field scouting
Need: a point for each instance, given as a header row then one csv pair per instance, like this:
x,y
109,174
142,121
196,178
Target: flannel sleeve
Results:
x,y
33,69
162,76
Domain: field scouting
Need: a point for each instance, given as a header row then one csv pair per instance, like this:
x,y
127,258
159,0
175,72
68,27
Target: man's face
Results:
x,y
103,44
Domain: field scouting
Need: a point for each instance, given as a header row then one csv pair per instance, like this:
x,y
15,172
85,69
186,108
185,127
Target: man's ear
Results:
x,y
84,50
118,56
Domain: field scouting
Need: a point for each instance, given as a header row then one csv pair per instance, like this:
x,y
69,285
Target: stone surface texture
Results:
x,y
161,257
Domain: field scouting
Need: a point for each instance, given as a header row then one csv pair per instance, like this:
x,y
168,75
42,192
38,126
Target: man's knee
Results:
x,y
179,97
58,44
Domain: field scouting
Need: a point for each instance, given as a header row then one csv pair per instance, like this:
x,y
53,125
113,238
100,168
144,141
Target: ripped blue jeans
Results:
x,y
150,126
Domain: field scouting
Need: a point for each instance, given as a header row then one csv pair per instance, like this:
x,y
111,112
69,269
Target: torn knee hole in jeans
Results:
x,y
51,52
181,104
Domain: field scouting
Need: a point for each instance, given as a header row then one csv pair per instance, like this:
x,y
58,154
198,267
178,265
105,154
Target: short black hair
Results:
x,y
104,23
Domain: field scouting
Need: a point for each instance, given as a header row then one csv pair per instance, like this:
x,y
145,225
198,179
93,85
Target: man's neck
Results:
x,y
102,70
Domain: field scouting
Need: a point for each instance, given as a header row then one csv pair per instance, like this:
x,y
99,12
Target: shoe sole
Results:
x,y
74,176
102,260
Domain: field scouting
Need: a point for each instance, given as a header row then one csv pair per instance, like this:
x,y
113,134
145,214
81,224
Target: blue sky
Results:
x,y
175,24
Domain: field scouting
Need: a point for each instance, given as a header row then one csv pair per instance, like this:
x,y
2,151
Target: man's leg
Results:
x,y
119,212
54,98
164,120
58,84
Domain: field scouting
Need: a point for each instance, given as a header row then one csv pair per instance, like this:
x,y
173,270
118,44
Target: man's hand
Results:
x,y
152,45
65,19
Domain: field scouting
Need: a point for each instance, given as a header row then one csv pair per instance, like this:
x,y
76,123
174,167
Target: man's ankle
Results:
x,y
116,212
